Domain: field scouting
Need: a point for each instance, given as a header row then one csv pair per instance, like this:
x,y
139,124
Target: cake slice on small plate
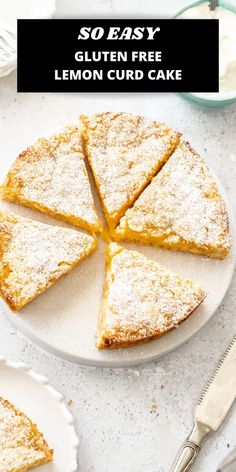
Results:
x,y
51,176
124,151
22,446
35,255
141,299
181,209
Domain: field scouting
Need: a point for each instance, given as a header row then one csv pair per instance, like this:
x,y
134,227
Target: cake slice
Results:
x,y
181,209
124,151
22,446
141,299
35,255
51,176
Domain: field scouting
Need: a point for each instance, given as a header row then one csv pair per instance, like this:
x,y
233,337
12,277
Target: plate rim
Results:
x,y
58,396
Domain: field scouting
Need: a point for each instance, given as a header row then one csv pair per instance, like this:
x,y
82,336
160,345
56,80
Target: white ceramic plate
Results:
x,y
64,319
33,395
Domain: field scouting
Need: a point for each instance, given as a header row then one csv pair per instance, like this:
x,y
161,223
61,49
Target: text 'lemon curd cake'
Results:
x,y
124,151
141,299
33,256
181,209
51,176
22,446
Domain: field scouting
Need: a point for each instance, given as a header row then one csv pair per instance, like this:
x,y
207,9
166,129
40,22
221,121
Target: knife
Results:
x,y
211,410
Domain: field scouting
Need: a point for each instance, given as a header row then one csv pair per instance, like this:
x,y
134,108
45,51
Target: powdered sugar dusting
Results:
x,y
21,444
182,201
143,299
34,255
52,174
125,151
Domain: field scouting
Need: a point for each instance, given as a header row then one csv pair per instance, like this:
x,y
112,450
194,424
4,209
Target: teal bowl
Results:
x,y
215,101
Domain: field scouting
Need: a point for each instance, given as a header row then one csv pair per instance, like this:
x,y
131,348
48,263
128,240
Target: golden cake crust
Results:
x,y
181,209
22,446
141,299
51,176
124,151
33,256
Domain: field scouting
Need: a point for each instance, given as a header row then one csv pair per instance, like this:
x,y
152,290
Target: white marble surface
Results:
x,y
132,419
114,409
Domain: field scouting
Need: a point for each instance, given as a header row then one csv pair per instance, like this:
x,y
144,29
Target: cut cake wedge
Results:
x,y
22,446
141,299
181,209
124,151
35,255
51,176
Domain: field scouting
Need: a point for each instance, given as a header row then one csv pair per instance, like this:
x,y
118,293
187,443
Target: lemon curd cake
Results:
x,y
22,446
181,209
124,151
33,256
141,299
51,176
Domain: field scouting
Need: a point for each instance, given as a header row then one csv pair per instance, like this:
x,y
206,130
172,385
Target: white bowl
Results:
x,y
10,11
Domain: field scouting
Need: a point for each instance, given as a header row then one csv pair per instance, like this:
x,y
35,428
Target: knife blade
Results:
x,y
213,406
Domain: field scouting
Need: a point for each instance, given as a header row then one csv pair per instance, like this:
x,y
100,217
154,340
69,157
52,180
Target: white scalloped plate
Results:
x,y
63,320
33,394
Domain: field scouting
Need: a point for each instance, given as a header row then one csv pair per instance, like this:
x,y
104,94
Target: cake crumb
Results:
x,y
153,407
